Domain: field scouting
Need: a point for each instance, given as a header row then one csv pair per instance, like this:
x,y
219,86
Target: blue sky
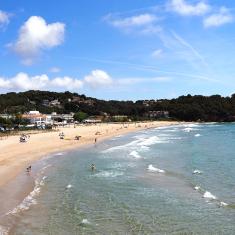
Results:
x,y
114,49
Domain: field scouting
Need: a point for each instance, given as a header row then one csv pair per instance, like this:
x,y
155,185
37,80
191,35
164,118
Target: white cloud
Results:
x,y
143,23
35,35
183,8
4,18
98,78
134,21
66,82
23,81
222,17
55,70
157,53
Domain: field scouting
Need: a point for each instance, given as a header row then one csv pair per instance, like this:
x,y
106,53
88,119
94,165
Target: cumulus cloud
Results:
x,y
23,81
35,35
98,78
4,18
66,82
142,23
183,8
222,17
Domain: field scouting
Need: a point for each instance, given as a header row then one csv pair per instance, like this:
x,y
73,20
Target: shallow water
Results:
x,y
144,184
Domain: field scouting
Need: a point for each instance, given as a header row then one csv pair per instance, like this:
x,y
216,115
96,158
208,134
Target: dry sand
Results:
x,y
16,156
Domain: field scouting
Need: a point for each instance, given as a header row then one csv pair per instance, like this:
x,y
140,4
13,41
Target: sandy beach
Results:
x,y
16,156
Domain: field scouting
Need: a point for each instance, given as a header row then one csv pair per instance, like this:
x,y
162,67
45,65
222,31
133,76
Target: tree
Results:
x,y
80,116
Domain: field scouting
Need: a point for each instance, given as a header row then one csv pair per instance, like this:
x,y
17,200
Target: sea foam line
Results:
x,y
209,196
30,199
151,168
135,155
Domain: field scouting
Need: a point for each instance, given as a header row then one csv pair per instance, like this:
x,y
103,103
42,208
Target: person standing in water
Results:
x,y
93,167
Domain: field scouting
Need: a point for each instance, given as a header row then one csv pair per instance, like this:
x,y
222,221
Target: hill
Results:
x,y
183,108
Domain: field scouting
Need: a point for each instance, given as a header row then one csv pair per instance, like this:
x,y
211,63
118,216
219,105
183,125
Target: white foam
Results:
x,y
30,199
223,204
109,174
188,129
144,148
119,136
191,125
69,186
209,195
119,147
197,172
151,141
197,188
197,135
135,155
59,154
85,221
151,168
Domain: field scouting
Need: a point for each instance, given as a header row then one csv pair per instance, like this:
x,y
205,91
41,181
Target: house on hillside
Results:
x,y
55,103
46,103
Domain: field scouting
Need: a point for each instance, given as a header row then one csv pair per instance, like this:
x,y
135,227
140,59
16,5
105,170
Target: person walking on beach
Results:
x,y
95,140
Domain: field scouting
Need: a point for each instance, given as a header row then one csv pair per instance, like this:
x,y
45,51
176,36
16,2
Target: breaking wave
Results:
x,y
151,168
30,199
209,195
135,155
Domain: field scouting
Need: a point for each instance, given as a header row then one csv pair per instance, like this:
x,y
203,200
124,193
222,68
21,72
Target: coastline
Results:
x,y
15,156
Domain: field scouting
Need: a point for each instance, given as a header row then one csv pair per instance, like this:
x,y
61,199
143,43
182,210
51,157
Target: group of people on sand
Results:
x,y
24,138
28,169
61,135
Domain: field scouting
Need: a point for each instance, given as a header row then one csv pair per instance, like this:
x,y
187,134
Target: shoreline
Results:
x,y
31,153
15,156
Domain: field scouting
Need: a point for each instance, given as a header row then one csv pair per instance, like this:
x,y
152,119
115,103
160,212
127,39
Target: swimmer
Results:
x,y
93,167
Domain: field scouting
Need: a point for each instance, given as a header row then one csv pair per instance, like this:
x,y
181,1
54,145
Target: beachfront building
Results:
x,y
37,118
120,118
93,119
62,118
157,114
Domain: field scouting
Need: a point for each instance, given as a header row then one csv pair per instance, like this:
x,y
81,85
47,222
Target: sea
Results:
x,y
175,180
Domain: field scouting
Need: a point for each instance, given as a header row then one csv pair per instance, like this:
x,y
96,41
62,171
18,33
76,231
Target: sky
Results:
x,y
116,49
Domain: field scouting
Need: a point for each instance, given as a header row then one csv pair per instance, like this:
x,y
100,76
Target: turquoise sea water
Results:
x,y
173,180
